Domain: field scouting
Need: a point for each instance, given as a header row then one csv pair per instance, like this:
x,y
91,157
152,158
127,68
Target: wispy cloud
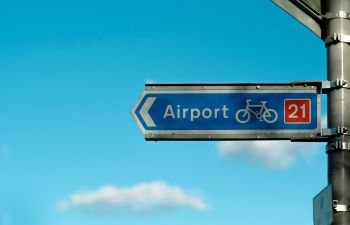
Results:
x,y
272,154
142,198
149,81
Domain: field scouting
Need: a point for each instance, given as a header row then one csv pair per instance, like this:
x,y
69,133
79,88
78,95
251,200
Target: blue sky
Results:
x,y
70,73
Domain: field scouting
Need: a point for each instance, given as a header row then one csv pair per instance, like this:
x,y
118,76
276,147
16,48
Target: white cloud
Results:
x,y
143,198
272,154
149,81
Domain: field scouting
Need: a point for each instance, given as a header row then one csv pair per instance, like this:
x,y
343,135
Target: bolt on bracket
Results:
x,y
336,38
338,146
335,84
336,15
333,132
340,208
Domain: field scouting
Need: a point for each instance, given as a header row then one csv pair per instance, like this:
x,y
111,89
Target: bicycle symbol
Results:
x,y
263,114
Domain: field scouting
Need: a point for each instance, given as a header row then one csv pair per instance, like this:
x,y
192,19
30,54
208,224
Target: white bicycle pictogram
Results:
x,y
262,114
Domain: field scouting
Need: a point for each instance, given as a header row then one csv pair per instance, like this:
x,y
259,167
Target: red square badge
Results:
x,y
297,111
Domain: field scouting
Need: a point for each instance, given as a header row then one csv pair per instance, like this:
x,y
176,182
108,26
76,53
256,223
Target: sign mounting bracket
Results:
x,y
327,86
340,208
333,132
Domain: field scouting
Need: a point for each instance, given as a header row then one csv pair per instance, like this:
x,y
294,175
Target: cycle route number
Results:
x,y
297,111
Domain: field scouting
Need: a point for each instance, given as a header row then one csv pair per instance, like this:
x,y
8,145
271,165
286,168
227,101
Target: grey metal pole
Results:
x,y
338,60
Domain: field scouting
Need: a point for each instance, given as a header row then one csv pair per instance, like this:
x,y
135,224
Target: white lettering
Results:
x,y
224,110
206,113
178,111
169,112
195,114
184,113
216,110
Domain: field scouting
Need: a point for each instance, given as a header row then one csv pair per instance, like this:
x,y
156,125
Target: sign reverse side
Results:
x,y
323,207
229,112
307,12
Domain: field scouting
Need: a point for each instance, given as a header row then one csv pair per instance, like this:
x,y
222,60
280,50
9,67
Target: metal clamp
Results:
x,y
340,208
335,84
338,145
332,132
337,15
335,38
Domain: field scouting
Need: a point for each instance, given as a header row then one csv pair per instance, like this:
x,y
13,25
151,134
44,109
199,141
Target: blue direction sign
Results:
x,y
231,112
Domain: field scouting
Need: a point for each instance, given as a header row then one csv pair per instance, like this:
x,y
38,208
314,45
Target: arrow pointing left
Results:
x,y
144,111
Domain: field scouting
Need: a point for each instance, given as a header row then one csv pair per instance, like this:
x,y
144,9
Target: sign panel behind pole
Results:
x,y
323,207
314,4
309,15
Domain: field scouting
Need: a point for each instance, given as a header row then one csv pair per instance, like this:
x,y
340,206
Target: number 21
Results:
x,y
295,109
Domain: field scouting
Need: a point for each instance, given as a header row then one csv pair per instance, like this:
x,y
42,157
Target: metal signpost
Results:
x,y
271,111
229,112
338,51
330,20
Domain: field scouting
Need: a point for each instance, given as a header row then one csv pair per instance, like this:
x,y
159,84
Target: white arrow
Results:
x,y
144,111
